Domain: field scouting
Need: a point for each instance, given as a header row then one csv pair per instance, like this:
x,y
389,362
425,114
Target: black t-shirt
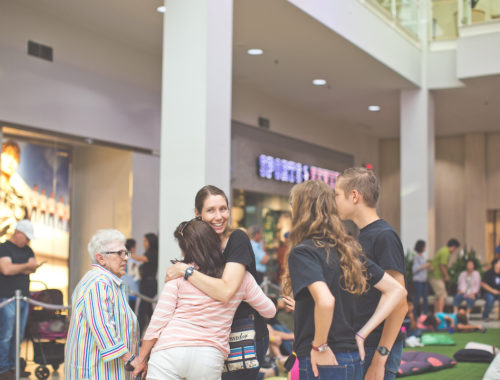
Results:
x,y
8,284
148,270
492,279
239,250
307,265
382,245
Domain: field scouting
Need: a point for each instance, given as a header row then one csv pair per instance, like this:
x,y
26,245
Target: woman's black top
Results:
x,y
239,250
149,269
308,265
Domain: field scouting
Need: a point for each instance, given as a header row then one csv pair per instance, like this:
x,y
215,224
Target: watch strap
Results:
x,y
128,366
189,271
320,348
383,350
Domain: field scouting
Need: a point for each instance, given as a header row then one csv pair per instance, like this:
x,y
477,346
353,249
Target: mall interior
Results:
x,y
123,112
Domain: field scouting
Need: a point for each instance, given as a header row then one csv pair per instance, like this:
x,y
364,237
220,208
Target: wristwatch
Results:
x,y
129,367
320,348
383,350
189,271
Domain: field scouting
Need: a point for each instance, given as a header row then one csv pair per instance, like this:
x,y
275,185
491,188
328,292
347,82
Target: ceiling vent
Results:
x,y
41,51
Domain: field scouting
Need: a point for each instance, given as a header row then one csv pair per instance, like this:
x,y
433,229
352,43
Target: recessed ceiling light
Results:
x,y
319,82
374,108
161,9
255,51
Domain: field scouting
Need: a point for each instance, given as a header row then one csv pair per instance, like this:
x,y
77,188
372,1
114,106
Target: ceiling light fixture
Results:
x,y
319,82
255,51
161,9
374,108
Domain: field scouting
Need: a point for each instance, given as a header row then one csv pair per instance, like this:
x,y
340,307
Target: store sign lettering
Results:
x,y
282,170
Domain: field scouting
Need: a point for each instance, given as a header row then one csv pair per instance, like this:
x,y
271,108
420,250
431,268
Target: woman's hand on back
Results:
x,y
175,271
326,357
360,342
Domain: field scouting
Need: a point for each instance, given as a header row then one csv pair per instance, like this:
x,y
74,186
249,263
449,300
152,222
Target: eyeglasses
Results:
x,y
121,253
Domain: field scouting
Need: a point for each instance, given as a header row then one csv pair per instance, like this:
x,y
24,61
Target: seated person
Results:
x,y
491,286
469,284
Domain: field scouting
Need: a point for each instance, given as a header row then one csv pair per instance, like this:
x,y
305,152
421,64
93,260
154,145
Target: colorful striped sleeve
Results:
x,y
256,298
164,310
98,305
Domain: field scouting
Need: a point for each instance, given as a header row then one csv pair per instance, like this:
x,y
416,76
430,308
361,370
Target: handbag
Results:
x,y
242,352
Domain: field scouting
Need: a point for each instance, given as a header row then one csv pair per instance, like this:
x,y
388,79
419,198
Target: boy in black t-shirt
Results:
x,y
356,196
491,285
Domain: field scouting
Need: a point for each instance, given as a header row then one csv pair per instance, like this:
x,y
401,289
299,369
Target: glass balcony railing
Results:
x,y
449,15
403,13
446,16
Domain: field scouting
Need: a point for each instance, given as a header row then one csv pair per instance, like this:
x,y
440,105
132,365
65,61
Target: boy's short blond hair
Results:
x,y
363,181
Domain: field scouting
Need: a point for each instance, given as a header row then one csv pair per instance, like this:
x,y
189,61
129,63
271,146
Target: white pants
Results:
x,y
196,363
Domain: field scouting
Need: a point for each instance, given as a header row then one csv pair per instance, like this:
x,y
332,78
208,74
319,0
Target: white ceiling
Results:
x,y
297,49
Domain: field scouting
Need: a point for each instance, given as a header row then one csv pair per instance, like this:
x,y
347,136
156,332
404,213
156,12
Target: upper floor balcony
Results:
x,y
443,19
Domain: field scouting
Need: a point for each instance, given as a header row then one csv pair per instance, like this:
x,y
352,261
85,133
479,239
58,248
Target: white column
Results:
x,y
475,190
196,111
417,168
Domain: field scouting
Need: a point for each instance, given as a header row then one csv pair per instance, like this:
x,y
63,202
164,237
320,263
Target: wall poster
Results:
x,y
35,185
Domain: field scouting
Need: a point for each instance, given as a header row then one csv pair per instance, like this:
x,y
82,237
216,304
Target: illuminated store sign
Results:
x,y
293,172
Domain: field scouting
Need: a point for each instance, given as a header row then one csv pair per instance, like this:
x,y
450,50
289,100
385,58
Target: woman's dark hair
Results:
x,y
201,245
431,321
130,243
420,246
153,242
473,262
204,193
462,318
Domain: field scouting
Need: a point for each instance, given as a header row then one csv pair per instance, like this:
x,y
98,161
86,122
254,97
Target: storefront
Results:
x,y
68,187
264,168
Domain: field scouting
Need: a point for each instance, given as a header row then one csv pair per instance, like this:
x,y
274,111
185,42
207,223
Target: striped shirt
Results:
x,y
102,328
185,316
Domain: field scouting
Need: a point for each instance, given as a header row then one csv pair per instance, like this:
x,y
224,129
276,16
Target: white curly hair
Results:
x,y
101,240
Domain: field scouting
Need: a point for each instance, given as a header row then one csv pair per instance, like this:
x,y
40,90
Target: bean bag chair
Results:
x,y
473,356
437,340
415,362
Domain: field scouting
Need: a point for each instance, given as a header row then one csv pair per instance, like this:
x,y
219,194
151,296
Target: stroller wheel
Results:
x,y
42,372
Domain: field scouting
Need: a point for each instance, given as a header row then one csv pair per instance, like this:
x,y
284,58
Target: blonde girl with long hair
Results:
x,y
326,274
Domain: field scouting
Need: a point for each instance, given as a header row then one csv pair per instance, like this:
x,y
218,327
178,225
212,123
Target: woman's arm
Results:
x,y
102,323
142,359
164,311
394,318
392,295
220,289
141,258
324,305
257,299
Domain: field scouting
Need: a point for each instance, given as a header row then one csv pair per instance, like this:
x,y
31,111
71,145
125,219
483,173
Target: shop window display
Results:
x,y
35,185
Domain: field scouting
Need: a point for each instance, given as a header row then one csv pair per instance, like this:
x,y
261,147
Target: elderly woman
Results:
x,y
103,333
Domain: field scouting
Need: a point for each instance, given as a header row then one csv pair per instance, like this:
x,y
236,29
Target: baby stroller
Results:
x,y
47,330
